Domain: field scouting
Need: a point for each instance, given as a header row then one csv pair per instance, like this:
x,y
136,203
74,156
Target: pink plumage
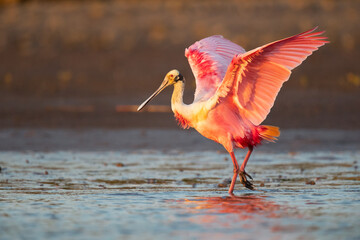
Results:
x,y
235,90
254,77
209,59
184,123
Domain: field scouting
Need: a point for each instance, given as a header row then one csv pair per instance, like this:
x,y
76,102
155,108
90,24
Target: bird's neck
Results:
x,y
177,97
181,110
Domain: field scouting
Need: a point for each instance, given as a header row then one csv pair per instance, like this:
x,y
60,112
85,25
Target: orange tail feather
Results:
x,y
269,133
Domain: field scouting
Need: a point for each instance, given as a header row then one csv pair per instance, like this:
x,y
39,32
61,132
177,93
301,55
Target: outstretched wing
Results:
x,y
254,79
209,59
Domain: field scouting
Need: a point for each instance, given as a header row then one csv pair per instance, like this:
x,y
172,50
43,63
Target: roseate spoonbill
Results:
x,y
235,90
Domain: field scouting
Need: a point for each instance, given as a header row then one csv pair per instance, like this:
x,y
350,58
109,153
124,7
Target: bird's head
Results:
x,y
171,78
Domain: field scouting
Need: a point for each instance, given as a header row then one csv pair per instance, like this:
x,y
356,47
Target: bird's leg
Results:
x,y
243,174
236,172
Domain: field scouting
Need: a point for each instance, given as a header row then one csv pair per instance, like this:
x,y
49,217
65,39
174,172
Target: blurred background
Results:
x,y
80,63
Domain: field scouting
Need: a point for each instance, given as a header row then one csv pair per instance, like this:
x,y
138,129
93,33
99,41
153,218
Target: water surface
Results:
x,y
171,194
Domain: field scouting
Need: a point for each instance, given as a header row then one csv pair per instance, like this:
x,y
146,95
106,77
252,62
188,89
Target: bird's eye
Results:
x,y
171,76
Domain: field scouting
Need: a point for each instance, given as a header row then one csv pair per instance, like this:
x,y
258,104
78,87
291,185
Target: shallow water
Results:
x,y
171,194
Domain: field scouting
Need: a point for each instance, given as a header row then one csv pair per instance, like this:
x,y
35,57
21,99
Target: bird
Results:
x,y
235,91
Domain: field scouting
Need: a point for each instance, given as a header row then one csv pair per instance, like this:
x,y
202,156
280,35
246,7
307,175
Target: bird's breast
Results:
x,y
182,121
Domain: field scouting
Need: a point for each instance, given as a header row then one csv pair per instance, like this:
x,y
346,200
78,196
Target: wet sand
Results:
x,y
136,183
104,139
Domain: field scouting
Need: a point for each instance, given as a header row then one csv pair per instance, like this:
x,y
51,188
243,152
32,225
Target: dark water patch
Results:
x,y
309,166
325,158
355,178
134,181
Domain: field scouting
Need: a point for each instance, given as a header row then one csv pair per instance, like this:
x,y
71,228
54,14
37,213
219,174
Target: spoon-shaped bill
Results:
x,y
163,85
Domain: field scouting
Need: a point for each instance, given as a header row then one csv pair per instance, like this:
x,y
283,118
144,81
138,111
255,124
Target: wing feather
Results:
x,y
253,79
209,59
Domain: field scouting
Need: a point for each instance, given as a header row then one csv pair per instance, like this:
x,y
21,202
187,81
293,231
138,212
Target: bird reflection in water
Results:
x,y
212,210
237,217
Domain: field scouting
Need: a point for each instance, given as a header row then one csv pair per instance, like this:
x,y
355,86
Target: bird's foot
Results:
x,y
244,180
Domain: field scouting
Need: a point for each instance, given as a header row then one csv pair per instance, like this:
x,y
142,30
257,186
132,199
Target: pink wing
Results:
x,y
209,59
254,79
